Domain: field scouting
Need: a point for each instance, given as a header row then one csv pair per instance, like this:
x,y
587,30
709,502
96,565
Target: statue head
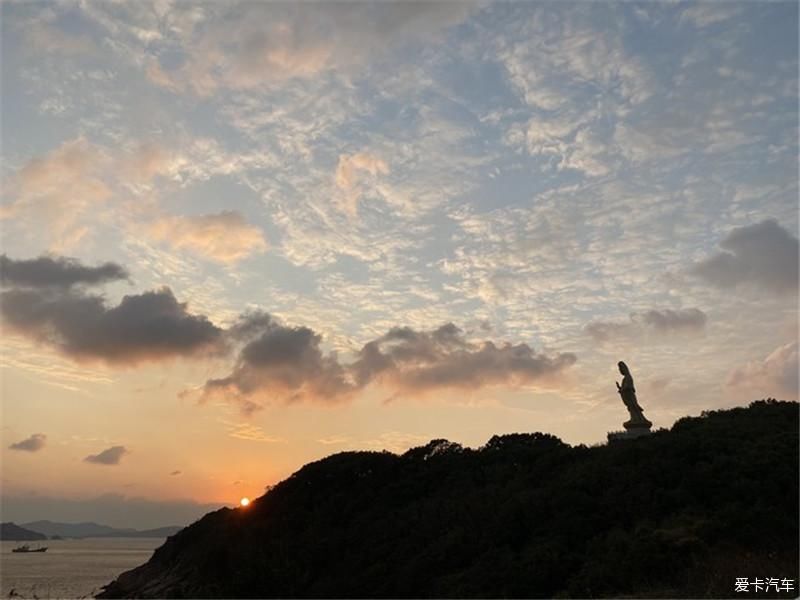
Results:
x,y
623,368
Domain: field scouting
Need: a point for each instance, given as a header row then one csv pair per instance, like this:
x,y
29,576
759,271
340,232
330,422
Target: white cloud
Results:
x,y
555,57
704,14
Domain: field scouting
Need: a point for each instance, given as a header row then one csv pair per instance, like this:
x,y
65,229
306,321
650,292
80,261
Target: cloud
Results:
x,y
59,189
655,141
279,364
286,364
247,431
657,384
252,44
560,49
43,37
708,13
665,321
148,326
349,164
47,271
109,456
349,174
224,237
32,444
777,374
67,163
66,189
422,361
176,473
649,322
393,441
148,160
551,60
764,255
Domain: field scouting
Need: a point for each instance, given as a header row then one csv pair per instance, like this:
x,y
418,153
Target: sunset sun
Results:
x,y
244,502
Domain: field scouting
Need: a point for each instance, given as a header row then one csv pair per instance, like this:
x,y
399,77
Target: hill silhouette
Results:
x,y
12,531
680,513
91,529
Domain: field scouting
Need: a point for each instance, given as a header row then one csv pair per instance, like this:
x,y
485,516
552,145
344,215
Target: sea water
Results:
x,y
69,568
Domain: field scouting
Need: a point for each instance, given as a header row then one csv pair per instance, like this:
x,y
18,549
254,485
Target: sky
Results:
x,y
239,237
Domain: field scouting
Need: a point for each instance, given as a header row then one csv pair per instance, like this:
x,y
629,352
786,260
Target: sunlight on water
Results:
x,y
70,568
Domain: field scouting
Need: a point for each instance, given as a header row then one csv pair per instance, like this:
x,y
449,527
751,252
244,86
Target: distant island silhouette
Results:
x,y
12,531
90,529
677,513
42,530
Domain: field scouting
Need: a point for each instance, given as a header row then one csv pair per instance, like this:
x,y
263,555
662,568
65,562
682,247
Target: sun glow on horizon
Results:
x,y
244,502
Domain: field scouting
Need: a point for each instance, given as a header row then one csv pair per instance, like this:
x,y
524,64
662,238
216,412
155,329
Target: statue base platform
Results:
x,y
637,424
631,432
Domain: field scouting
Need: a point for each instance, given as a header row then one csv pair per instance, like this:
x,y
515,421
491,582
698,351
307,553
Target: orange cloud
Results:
x,y
224,237
58,189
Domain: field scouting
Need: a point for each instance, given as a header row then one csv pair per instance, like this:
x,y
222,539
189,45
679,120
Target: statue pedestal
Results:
x,y
631,432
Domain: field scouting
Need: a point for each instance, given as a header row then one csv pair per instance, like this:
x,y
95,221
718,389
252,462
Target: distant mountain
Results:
x,y
75,530
153,533
89,529
680,513
11,531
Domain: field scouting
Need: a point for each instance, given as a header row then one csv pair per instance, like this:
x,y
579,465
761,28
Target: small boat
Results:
x,y
26,548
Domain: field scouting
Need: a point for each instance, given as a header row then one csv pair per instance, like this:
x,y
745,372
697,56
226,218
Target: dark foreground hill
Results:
x,y
681,513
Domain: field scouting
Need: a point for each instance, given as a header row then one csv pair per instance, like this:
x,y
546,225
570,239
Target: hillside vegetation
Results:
x,y
681,513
